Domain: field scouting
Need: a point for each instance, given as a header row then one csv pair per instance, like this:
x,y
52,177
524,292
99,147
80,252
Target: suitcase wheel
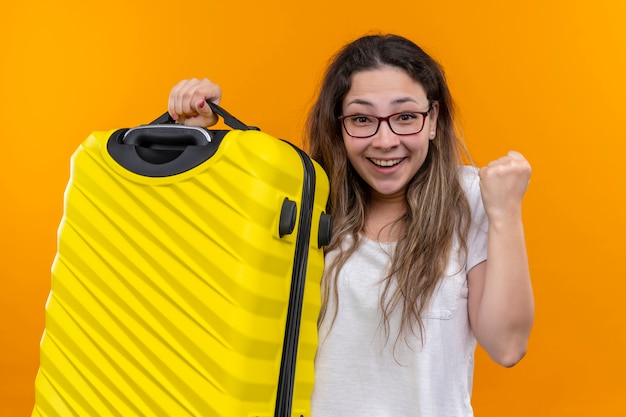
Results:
x,y
287,220
325,230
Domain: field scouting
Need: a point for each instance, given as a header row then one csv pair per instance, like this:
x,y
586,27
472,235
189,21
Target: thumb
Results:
x,y
203,108
204,114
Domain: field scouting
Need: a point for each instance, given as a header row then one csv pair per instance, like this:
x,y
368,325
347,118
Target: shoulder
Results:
x,y
470,183
469,179
477,237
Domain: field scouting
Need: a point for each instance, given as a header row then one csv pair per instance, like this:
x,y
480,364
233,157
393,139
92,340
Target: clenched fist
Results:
x,y
187,102
503,183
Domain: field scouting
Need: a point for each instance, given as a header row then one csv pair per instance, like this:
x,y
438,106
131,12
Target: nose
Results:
x,y
385,138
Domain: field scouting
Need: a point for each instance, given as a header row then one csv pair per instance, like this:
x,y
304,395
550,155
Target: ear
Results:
x,y
432,120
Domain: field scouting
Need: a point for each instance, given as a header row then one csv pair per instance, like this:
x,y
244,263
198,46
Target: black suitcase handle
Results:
x,y
229,119
163,150
166,137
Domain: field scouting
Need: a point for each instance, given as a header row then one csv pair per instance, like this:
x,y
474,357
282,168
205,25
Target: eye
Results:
x,y
361,119
407,117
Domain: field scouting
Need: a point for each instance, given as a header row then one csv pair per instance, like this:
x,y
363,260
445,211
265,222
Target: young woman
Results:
x,y
427,256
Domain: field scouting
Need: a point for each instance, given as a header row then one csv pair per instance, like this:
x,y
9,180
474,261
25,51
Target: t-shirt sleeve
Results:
x,y
477,237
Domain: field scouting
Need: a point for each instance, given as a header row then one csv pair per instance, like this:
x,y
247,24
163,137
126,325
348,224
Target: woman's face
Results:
x,y
387,161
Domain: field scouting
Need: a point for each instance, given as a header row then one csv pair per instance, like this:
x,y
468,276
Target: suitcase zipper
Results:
x,y
284,397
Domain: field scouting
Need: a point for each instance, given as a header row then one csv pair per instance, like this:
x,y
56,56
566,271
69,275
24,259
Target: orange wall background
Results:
x,y
545,77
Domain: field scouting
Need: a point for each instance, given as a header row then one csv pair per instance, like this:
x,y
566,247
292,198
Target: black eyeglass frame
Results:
x,y
385,119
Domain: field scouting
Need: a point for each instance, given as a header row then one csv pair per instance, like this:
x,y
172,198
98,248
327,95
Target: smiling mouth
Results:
x,y
386,163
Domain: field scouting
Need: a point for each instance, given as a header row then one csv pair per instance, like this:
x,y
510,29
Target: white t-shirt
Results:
x,y
360,372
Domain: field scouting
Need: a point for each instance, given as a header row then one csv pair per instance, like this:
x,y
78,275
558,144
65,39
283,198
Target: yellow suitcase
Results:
x,y
186,280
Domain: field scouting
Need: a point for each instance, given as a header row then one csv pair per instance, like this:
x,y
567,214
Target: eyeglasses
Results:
x,y
403,123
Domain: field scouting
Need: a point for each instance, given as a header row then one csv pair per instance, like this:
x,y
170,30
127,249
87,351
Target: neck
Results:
x,y
383,212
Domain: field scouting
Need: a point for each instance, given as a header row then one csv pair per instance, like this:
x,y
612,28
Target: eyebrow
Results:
x,y
370,104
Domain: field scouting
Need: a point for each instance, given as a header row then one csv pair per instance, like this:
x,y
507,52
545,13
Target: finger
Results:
x,y
176,99
509,158
497,162
197,104
171,101
516,156
185,103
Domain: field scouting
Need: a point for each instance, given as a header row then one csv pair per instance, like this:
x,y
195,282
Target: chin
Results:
x,y
389,192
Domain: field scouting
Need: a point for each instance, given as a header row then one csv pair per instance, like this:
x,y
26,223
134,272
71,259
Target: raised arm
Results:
x,y
501,302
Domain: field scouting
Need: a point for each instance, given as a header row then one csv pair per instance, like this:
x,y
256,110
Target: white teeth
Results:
x,y
386,162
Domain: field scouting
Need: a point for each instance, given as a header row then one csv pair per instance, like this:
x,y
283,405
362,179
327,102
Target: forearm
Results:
x,y
505,313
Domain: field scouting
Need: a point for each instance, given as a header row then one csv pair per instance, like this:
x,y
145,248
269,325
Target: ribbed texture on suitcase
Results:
x,y
169,295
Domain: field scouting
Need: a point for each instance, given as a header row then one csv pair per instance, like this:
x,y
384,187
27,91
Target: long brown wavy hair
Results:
x,y
437,208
